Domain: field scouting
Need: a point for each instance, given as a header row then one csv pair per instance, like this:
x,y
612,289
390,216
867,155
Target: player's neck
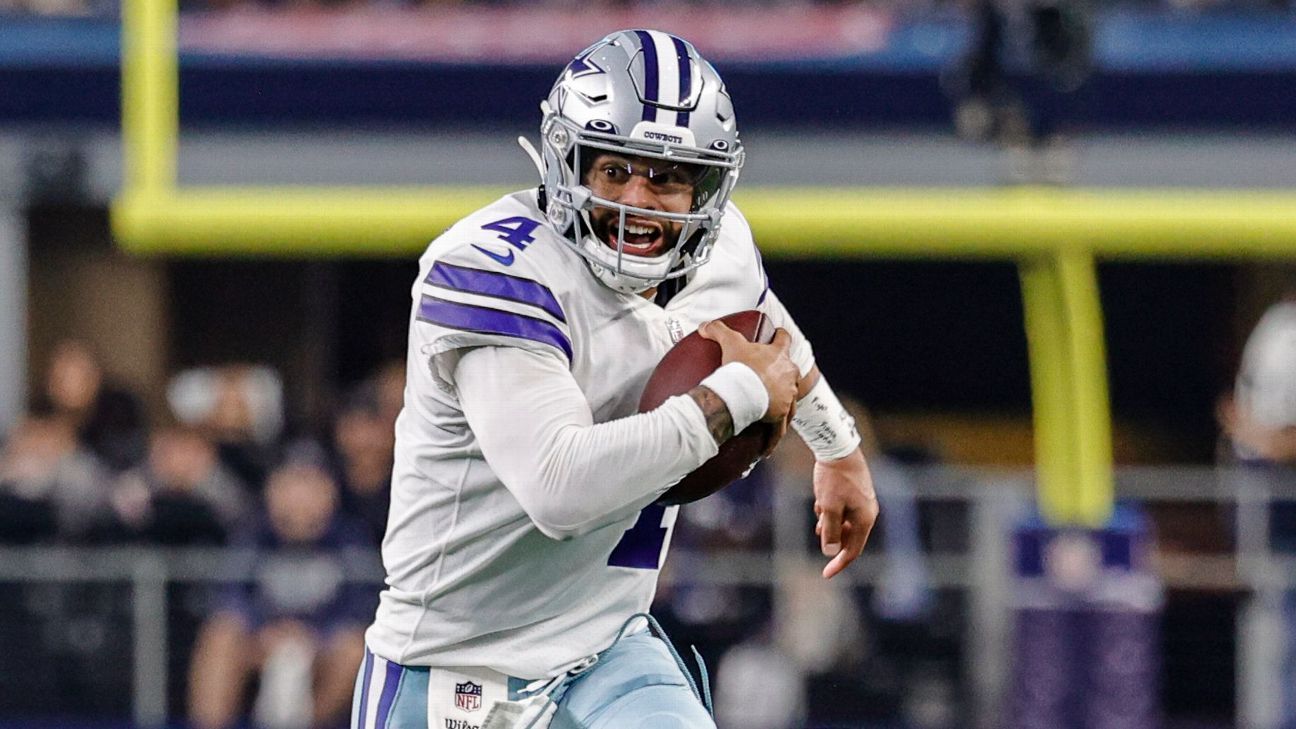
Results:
x,y
649,293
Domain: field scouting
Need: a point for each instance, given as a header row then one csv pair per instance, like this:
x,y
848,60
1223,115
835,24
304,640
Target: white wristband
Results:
x,y
742,391
823,423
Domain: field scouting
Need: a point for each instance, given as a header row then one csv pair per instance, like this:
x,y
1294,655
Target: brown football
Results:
x,y
683,367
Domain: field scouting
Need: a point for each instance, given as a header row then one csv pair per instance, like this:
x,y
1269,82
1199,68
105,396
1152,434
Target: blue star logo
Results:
x,y
582,65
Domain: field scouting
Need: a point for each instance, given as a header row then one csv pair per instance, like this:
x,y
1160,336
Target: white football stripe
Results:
x,y
377,678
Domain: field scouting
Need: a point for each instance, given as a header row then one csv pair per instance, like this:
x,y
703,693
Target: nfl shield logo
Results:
x,y
468,696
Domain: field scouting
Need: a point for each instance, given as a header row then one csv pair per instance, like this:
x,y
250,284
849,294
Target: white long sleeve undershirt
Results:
x,y
570,475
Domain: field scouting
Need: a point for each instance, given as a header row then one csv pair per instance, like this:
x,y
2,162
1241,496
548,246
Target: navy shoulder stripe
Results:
x,y
496,285
480,319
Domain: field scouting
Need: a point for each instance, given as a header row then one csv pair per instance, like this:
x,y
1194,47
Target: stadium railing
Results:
x,y
967,522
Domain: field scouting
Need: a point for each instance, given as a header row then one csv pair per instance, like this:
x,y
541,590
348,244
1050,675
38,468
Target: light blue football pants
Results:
x,y
635,684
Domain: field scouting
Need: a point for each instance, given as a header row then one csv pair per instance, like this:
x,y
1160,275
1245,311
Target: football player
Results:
x,y
524,542
1258,420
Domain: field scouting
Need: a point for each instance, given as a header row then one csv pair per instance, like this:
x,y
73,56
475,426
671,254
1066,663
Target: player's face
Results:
x,y
640,182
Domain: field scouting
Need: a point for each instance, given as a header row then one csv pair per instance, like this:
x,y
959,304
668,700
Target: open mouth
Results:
x,y
640,238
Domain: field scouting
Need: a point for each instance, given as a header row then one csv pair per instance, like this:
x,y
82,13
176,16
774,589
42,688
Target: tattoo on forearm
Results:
x,y
718,419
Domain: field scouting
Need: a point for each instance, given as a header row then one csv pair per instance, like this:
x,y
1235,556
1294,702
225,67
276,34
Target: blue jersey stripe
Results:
x,y
650,75
480,319
495,285
685,80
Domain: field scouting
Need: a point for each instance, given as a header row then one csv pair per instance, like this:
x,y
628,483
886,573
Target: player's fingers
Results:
x,y
717,331
862,521
855,535
836,565
830,538
782,339
853,540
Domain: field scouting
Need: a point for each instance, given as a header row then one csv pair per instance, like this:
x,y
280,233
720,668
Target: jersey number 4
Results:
x,y
641,546
517,231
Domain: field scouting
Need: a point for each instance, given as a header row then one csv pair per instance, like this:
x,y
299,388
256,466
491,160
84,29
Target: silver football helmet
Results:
x,y
639,93
1266,383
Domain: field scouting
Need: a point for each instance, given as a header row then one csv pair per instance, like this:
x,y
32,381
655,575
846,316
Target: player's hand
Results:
x,y
769,361
846,506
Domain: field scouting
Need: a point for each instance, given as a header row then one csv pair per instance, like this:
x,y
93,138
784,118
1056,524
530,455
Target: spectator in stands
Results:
x,y
1258,422
108,418
364,441
51,487
1259,419
182,494
240,407
390,384
759,687
297,622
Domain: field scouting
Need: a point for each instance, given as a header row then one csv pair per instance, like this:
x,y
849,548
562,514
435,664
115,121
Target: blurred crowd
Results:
x,y
86,466
795,650
303,512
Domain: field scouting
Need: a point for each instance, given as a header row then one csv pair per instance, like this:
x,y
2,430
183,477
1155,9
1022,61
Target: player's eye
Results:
x,y
672,177
617,173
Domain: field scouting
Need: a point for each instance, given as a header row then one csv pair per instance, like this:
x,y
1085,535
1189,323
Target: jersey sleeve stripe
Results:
x,y
469,318
496,285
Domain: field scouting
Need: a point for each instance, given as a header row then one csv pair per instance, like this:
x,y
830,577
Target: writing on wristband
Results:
x,y
824,424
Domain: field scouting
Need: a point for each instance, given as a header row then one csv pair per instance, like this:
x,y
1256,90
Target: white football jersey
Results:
x,y
471,579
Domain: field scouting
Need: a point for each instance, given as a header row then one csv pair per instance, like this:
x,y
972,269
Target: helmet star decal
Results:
x,y
582,65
